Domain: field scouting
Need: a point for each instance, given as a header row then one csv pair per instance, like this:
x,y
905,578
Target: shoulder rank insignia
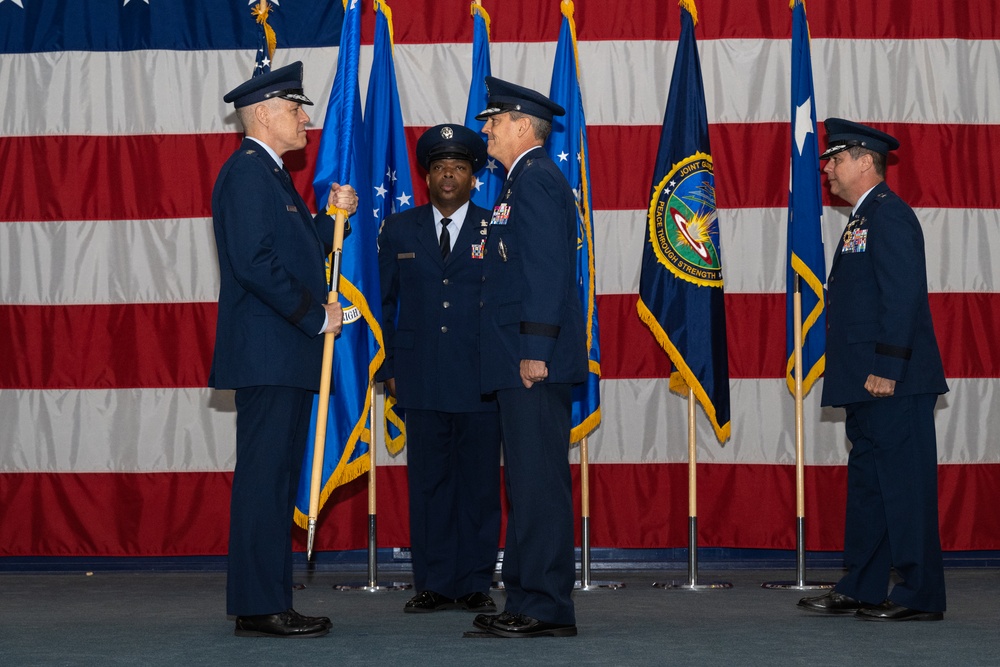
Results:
x,y
249,151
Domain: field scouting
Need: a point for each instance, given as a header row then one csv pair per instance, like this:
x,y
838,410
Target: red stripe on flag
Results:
x,y
932,167
107,346
966,324
425,21
170,344
171,176
634,506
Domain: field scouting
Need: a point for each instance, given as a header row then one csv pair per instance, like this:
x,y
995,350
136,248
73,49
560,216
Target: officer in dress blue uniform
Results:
x,y
533,350
883,366
269,343
430,263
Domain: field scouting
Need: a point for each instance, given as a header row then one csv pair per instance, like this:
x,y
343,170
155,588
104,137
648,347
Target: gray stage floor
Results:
x,y
143,618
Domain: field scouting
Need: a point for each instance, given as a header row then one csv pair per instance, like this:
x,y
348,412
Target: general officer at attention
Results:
x,y
269,343
883,366
430,263
533,350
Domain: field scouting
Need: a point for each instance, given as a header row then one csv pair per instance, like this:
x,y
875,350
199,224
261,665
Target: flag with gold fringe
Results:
x,y
567,146
805,212
490,178
389,161
358,352
267,41
681,296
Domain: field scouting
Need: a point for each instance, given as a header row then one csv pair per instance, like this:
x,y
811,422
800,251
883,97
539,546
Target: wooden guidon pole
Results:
x,y
319,444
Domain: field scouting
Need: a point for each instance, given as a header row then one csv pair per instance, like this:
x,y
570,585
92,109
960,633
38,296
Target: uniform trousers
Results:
x,y
272,426
892,504
539,567
453,469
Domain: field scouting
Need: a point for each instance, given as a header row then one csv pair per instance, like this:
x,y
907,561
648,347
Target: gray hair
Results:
x,y
541,127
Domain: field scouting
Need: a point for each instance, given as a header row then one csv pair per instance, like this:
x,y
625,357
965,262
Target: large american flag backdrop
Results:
x,y
110,444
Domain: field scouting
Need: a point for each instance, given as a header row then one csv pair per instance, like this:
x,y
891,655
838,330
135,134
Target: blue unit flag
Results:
x,y
805,213
389,159
681,297
358,353
491,177
567,146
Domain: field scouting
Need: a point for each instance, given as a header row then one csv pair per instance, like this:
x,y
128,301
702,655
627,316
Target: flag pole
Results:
x,y
372,585
319,444
584,516
585,583
692,582
372,533
800,583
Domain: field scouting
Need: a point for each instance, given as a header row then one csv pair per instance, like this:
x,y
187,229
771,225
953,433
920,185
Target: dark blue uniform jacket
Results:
x,y
531,306
430,311
878,316
273,277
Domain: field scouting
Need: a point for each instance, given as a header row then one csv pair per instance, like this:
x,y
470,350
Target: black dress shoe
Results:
x,y
279,625
516,626
484,621
325,620
428,601
831,602
480,602
890,611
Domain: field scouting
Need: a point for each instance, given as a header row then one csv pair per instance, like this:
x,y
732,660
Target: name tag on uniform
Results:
x,y
405,255
291,208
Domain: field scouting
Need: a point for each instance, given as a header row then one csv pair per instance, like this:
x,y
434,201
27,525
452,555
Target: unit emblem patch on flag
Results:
x,y
683,225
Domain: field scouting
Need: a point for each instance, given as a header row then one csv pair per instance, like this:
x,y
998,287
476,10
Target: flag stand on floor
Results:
x,y
692,583
372,585
805,261
800,583
585,583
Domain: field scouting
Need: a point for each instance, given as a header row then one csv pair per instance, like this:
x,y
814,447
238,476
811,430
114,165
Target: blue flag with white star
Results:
x,y
392,186
567,146
359,350
805,211
491,177
681,296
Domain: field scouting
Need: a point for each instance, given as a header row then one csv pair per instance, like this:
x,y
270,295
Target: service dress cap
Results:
x,y
451,141
843,134
284,82
505,96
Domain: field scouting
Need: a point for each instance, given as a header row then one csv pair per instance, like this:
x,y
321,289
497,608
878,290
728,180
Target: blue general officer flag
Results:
x,y
681,296
805,211
491,177
392,186
567,147
358,352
